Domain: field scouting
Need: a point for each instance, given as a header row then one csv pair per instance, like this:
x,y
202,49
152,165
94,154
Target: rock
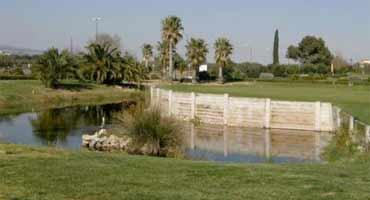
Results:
x,y
87,139
102,132
102,142
124,143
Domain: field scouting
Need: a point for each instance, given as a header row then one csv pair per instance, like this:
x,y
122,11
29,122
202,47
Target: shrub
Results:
x,y
342,146
278,70
151,131
250,70
294,77
322,69
204,76
308,69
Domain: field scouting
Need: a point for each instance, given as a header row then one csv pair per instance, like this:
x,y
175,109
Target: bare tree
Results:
x,y
104,38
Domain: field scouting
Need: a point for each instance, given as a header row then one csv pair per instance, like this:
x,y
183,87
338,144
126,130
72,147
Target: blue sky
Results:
x,y
40,24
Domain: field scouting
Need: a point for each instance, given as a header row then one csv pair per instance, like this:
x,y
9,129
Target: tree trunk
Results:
x,y
163,72
194,76
220,75
98,77
170,75
146,63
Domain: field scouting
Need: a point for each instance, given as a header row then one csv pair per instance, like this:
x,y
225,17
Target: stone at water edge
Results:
x,y
101,141
101,132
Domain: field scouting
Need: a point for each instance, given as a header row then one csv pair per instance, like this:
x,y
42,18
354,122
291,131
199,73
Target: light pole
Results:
x,y
96,20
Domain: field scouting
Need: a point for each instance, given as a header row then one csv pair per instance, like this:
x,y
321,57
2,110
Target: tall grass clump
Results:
x,y
344,147
152,132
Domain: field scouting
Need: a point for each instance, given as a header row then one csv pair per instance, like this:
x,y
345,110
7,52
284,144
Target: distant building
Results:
x,y
365,62
203,68
4,53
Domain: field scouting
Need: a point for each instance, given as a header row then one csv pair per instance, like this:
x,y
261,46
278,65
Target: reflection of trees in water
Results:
x,y
56,124
7,118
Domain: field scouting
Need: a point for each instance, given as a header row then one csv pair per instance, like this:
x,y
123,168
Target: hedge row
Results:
x,y
16,77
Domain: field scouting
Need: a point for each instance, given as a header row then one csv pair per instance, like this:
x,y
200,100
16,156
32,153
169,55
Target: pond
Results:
x,y
60,127
64,127
253,145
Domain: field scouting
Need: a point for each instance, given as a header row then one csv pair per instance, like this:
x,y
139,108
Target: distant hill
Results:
x,y
19,50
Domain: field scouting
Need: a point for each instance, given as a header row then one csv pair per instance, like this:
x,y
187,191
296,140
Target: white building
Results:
x,y
4,53
365,62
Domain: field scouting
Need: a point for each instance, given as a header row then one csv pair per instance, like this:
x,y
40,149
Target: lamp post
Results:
x,y
96,20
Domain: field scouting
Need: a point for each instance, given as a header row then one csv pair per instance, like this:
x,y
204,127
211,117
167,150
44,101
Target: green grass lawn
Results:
x,y
46,173
26,95
354,100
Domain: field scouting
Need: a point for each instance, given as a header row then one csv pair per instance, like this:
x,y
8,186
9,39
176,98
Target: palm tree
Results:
x,y
171,32
196,54
223,51
103,62
180,64
132,70
162,48
147,53
52,64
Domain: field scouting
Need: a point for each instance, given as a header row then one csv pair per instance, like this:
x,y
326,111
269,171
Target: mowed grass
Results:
x,y
27,95
45,173
354,100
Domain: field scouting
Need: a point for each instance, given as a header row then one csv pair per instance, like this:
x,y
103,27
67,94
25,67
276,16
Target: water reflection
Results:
x,y
60,127
236,144
64,127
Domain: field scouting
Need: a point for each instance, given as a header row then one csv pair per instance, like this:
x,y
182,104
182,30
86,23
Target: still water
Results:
x,y
61,127
252,145
64,127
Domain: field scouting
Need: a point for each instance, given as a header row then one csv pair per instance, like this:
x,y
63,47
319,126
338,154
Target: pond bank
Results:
x,y
19,96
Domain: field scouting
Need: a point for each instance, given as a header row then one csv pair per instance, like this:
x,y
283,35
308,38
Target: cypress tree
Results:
x,y
276,48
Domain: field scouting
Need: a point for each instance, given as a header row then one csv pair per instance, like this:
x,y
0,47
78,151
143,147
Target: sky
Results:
x,y
250,25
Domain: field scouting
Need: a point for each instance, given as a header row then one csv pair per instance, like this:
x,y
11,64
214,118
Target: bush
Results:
x,y
278,70
150,129
204,76
294,77
342,146
250,70
292,69
308,69
322,69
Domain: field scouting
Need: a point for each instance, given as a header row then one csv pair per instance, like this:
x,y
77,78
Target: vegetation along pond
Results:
x,y
64,127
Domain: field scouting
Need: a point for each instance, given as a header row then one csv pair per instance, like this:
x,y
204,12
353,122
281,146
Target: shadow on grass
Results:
x,y
74,86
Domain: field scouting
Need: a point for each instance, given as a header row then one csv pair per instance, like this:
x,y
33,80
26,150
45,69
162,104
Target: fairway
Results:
x,y
45,173
354,100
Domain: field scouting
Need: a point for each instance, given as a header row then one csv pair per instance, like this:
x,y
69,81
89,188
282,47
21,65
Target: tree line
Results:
x,y
105,63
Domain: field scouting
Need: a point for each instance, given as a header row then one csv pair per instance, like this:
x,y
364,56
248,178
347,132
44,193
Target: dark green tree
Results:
x,y
311,50
276,48
196,53
223,51
52,64
102,62
172,33
147,52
